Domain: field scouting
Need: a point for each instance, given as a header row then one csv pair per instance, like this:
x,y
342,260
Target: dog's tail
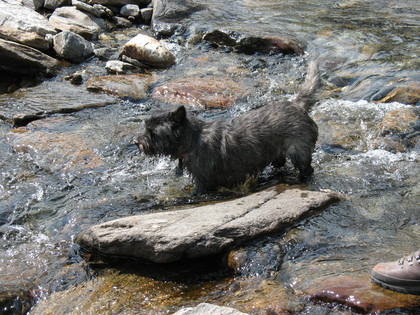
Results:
x,y
306,97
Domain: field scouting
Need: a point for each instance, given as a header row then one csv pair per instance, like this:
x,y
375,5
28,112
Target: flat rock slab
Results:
x,y
48,98
169,236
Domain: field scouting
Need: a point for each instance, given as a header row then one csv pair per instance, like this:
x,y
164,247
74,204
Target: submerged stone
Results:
x,y
136,289
134,86
408,93
220,38
400,129
202,231
360,295
17,296
253,44
48,98
55,150
206,92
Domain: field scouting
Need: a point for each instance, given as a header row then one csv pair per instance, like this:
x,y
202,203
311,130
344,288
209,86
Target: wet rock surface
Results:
x,y
207,92
54,150
29,104
361,295
407,93
133,86
252,44
16,296
202,231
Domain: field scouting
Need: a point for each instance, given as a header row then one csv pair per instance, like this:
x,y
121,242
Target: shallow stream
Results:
x,y
68,171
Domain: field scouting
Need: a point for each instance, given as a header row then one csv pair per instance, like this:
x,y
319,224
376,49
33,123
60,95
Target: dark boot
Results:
x,y
402,275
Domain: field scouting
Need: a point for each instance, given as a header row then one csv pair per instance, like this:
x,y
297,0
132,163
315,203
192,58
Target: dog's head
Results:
x,y
163,133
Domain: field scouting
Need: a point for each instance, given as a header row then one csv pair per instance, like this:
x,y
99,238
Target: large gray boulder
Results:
x,y
169,236
18,58
23,25
82,23
72,46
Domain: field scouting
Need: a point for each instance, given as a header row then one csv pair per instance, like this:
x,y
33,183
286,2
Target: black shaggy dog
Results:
x,y
224,152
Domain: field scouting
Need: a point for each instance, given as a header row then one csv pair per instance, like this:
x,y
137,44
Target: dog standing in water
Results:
x,y
223,153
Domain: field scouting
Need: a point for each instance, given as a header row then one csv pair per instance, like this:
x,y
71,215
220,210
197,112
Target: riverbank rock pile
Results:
x,y
39,37
36,37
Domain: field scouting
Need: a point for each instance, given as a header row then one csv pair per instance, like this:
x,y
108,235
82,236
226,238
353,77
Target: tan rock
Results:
x,y
206,92
148,51
134,86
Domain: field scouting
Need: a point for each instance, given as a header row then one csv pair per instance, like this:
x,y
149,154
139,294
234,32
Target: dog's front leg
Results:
x,y
179,171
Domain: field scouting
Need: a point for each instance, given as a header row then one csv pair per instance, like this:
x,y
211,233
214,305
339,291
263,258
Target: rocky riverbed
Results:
x,y
79,77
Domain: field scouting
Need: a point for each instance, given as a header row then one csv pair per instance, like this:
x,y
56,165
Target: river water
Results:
x,y
66,172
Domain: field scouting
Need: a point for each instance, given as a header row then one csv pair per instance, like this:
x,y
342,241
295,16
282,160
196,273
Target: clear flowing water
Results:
x,y
66,172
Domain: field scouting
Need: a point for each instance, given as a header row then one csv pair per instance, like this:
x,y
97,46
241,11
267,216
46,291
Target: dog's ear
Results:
x,y
179,115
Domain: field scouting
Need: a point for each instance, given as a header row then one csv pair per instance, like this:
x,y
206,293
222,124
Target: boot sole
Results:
x,y
399,288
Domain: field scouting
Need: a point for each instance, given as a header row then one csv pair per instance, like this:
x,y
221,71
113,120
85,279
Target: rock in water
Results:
x,y
23,25
133,86
71,19
148,51
18,58
72,46
201,231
